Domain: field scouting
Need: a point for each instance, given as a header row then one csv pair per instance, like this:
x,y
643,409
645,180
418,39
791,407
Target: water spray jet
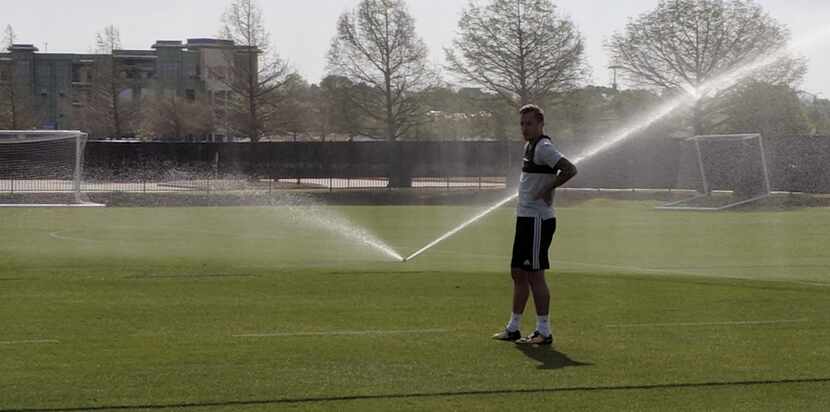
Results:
x,y
307,211
692,95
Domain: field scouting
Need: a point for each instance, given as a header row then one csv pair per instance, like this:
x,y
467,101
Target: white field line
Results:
x,y
29,341
691,273
53,205
341,333
824,285
59,236
726,323
642,270
589,264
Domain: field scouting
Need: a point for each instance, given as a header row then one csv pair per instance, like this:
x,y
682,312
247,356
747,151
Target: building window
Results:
x,y
81,98
190,94
4,75
76,73
81,73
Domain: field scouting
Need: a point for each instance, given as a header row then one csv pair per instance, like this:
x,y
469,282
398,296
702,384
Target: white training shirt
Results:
x,y
530,183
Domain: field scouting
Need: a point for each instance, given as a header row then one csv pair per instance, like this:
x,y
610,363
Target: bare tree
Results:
x,y
521,49
9,36
376,45
175,117
105,110
293,108
683,44
7,108
255,75
16,110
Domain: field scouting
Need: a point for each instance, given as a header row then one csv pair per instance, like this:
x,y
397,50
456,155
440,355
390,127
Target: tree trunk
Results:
x,y
253,161
398,166
394,172
697,119
511,179
398,172
13,102
252,104
116,115
524,95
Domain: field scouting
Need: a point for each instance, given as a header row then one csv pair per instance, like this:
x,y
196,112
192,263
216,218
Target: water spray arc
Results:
x,y
309,213
462,226
693,94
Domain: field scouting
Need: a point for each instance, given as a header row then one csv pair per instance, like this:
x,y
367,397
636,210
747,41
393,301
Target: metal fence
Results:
x,y
225,184
796,164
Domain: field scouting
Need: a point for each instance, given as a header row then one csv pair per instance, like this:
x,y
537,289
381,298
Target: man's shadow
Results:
x,y
548,357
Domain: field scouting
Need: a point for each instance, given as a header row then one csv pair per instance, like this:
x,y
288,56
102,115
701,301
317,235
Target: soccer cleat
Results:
x,y
508,336
536,339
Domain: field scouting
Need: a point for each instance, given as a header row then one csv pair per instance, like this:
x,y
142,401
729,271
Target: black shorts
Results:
x,y
531,244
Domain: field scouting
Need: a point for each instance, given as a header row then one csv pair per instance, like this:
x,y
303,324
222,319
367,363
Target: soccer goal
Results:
x,y
731,171
42,168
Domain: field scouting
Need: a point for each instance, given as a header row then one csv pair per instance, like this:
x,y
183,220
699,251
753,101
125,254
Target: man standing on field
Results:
x,y
544,169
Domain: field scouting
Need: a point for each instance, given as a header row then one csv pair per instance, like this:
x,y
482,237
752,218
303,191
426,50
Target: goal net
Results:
x,y
726,171
42,168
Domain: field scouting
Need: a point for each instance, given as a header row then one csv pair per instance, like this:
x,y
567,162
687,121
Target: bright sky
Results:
x,y
302,30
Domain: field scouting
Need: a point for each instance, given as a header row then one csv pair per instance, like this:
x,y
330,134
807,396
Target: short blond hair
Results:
x,y
532,108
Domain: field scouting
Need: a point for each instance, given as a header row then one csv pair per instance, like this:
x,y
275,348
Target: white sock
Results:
x,y
515,321
543,325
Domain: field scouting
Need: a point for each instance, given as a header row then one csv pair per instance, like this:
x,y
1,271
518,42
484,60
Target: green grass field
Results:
x,y
248,309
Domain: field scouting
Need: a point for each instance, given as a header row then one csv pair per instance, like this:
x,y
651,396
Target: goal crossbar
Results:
x,y
35,136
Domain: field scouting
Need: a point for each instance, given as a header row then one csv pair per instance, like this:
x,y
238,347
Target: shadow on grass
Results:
x,y
274,403
548,357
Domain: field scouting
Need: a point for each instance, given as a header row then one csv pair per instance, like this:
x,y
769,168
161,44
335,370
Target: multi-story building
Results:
x,y
57,87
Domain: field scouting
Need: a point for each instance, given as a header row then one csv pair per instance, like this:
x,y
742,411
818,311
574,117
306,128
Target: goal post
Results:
x,y
42,168
732,171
